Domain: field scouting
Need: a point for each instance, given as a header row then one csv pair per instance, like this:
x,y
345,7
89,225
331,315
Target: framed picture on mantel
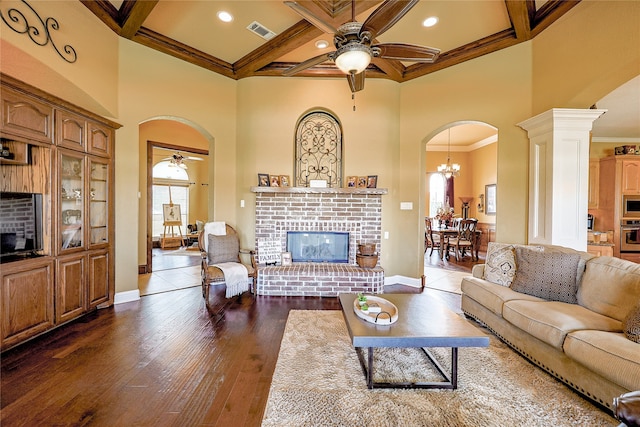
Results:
x,y
490,199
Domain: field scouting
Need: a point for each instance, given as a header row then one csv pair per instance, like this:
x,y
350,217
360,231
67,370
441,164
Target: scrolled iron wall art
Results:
x,y
18,22
318,149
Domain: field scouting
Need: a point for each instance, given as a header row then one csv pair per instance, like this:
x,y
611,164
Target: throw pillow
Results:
x,y
631,325
551,276
500,264
223,249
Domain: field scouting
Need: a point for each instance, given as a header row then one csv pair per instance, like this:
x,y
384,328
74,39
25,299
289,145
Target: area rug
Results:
x,y
318,381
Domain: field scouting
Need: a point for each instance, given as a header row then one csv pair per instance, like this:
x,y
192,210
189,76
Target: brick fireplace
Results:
x,y
357,211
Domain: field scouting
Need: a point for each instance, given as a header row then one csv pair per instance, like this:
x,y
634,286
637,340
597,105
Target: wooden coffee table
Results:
x,y
423,322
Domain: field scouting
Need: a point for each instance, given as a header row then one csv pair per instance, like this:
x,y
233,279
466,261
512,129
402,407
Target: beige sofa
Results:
x,y
581,343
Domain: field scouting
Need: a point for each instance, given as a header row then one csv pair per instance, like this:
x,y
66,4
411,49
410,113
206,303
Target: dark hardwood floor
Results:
x,y
161,361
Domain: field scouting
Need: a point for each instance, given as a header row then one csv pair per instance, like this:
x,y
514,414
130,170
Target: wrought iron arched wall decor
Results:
x,y
18,22
318,149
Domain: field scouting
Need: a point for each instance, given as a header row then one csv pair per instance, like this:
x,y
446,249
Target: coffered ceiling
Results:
x,y
191,31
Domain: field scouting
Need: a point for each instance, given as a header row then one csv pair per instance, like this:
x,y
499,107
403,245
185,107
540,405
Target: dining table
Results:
x,y
447,231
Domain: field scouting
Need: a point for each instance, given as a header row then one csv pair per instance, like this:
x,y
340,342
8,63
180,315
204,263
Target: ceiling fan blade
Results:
x,y
356,81
386,16
311,17
407,52
307,64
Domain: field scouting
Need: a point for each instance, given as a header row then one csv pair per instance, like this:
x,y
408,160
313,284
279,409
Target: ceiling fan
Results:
x,y
178,160
356,44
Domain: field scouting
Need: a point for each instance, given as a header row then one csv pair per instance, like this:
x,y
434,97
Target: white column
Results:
x,y
559,176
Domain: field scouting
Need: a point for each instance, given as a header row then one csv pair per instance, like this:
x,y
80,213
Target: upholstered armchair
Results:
x,y
219,251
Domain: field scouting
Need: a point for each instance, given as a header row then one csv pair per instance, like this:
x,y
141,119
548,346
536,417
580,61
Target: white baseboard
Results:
x,y
403,280
128,296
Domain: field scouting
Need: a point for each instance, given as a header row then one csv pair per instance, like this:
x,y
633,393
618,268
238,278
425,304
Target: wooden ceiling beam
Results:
x,y
521,14
179,50
133,13
106,12
550,12
290,39
464,53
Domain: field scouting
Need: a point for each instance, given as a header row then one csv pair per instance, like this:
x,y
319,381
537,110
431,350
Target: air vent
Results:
x,y
261,30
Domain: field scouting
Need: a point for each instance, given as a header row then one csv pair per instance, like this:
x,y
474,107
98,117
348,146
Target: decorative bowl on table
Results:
x,y
377,310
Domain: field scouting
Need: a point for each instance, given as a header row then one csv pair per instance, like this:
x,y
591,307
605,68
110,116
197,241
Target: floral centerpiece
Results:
x,y
445,215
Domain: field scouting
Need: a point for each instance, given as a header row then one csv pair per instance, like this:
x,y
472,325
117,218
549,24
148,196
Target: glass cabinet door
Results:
x,y
98,202
71,201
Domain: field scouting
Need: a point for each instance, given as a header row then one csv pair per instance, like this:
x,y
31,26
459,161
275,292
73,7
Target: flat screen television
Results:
x,y
20,225
318,246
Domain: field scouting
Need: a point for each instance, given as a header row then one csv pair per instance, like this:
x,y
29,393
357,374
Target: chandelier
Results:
x,y
449,169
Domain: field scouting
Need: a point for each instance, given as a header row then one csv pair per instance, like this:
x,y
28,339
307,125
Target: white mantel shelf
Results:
x,y
319,190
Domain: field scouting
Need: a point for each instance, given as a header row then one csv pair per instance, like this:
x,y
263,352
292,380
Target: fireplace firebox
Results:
x,y
318,246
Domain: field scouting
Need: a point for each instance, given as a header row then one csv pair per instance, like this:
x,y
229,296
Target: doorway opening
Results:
x,y
473,146
176,177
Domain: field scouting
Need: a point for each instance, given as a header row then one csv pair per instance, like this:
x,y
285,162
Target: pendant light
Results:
x,y
448,169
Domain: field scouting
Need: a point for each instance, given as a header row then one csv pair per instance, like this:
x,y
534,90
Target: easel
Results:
x,y
172,218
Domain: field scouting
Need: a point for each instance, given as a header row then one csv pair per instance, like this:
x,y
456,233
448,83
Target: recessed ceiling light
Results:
x,y
322,44
430,21
225,16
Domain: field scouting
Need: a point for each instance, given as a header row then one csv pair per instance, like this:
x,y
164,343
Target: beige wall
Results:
x,y
268,110
249,123
484,173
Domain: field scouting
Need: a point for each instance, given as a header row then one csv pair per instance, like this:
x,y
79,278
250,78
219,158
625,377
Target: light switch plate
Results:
x,y
406,206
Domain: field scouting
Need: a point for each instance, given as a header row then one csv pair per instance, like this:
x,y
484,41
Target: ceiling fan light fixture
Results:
x,y
353,58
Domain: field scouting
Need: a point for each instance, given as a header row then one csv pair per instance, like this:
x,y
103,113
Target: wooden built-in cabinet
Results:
x,y
617,176
594,180
64,153
26,300
630,170
600,250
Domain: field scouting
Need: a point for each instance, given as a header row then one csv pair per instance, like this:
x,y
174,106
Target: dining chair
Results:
x,y
464,239
431,240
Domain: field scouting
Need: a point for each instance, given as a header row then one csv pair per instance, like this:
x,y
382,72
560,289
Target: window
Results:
x,y
170,184
436,193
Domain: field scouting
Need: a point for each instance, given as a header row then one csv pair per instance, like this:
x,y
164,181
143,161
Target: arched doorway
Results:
x,y
473,146
164,139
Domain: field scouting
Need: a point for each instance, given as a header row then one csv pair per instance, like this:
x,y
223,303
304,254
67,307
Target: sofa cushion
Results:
x,y
492,296
631,325
551,276
608,354
551,321
584,257
500,262
223,249
610,286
